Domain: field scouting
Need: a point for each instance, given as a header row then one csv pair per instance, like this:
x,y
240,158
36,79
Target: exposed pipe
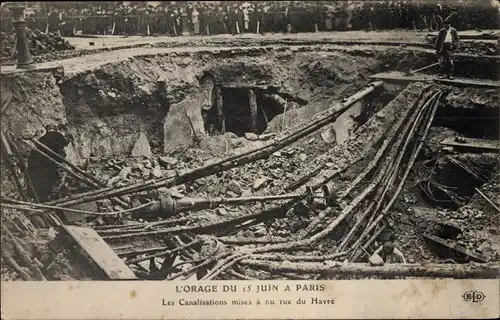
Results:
x,y
411,161
167,206
97,182
7,155
22,166
391,270
487,199
394,165
60,162
393,131
225,163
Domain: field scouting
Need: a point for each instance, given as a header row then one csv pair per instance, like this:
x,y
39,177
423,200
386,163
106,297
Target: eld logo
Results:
x,y
473,296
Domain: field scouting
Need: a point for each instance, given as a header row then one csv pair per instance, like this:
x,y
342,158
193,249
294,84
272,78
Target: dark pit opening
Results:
x,y
480,122
378,99
232,110
455,179
42,172
486,69
236,111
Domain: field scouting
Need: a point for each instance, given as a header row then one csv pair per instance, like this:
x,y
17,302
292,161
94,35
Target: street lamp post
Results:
x,y
24,58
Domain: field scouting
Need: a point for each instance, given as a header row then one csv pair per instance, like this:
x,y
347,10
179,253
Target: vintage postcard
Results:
x,y
250,159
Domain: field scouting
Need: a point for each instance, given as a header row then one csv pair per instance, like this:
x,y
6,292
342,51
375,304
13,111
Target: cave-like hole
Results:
x,y
240,110
236,111
486,69
456,178
480,122
43,173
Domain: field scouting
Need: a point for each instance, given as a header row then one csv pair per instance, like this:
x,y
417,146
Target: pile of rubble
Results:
x,y
39,42
343,198
478,47
478,219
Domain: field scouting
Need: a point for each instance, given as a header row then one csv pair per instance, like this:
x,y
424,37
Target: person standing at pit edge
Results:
x,y
446,42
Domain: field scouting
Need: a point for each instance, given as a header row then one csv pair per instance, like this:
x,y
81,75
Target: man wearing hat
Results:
x,y
390,254
446,42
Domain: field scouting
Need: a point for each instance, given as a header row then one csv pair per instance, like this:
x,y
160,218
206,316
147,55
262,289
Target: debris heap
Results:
x,y
327,209
40,43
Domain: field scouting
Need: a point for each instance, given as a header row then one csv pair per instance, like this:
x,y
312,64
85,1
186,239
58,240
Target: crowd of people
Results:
x,y
236,17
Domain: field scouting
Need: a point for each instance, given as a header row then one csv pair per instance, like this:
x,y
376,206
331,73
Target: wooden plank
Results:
x,y
100,253
459,57
470,35
472,143
402,77
452,245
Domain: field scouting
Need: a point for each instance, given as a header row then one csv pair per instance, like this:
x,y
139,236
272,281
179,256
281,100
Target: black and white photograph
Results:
x,y
250,140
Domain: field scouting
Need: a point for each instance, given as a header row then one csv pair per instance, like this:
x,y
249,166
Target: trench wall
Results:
x,y
105,109
37,104
115,103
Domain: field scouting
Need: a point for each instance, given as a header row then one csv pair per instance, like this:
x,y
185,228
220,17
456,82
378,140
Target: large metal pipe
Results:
x,y
167,206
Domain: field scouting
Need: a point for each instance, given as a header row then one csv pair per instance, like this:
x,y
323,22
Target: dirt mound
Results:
x,y
39,43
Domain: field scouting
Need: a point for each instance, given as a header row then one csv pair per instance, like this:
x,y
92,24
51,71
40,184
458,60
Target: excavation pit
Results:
x,y
177,112
476,121
445,188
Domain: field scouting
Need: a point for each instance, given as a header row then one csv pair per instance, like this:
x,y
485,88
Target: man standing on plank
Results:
x,y
446,42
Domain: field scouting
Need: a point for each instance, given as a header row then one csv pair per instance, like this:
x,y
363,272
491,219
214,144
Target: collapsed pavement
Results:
x,y
175,178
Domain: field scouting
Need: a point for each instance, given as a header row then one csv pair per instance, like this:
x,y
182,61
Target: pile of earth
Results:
x,y
39,44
